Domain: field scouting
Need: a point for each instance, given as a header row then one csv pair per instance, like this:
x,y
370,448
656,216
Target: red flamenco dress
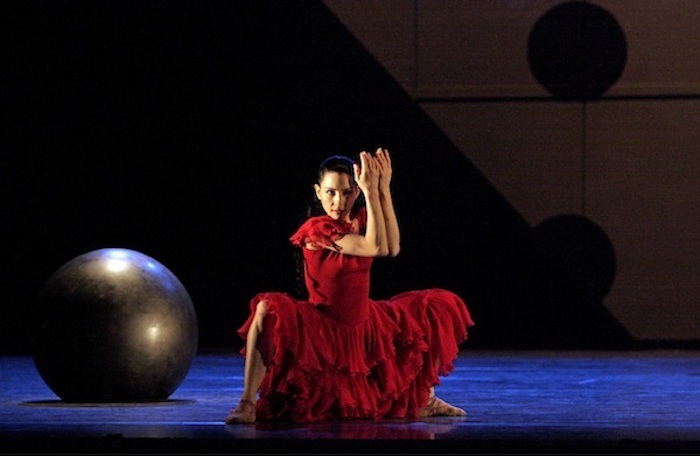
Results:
x,y
343,356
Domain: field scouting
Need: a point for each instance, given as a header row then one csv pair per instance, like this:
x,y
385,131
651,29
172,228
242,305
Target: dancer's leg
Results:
x,y
253,371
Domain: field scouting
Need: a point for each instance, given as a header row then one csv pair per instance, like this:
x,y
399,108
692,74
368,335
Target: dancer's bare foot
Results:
x,y
244,413
438,407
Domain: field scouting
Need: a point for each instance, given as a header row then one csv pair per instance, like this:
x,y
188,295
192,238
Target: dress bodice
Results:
x,y
337,284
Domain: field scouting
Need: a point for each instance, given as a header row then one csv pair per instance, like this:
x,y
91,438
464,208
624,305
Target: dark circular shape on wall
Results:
x,y
579,256
114,325
577,51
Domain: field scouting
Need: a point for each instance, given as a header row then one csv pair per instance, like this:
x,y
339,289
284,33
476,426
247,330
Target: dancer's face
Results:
x,y
337,193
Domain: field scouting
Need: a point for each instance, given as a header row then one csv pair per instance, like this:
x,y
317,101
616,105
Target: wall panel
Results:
x,y
531,152
643,187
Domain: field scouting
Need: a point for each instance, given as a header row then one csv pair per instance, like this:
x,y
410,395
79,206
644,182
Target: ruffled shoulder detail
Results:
x,y
323,231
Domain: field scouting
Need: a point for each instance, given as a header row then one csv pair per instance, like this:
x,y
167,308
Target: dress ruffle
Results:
x,y
321,231
320,369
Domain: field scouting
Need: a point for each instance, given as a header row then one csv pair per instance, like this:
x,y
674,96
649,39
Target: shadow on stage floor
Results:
x,y
641,401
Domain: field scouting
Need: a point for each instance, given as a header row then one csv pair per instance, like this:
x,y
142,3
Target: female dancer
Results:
x,y
340,355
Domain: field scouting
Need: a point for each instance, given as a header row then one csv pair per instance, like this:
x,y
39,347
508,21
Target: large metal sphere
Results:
x,y
114,325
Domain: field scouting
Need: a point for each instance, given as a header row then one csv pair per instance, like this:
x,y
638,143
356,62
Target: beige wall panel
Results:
x,y
478,48
386,29
663,46
643,189
531,152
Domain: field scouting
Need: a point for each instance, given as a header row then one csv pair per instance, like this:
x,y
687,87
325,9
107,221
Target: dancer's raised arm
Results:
x,y
391,223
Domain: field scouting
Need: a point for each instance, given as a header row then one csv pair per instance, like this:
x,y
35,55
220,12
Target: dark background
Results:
x,y
191,131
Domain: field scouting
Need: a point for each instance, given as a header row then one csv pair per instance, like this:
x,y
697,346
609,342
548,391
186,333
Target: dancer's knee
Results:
x,y
260,313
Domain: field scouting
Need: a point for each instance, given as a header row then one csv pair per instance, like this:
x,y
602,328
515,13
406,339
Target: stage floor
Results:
x,y
645,401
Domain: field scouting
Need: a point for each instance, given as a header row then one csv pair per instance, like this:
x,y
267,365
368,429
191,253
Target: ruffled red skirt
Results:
x,y
319,369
